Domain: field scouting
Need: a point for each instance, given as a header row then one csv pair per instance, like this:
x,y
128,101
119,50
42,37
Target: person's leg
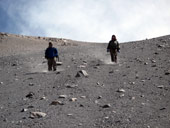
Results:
x,y
112,55
49,64
54,64
115,56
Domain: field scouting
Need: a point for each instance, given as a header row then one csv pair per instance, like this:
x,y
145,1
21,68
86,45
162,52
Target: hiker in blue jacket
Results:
x,y
113,48
50,54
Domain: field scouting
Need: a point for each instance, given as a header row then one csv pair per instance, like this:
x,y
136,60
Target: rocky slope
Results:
x,y
134,93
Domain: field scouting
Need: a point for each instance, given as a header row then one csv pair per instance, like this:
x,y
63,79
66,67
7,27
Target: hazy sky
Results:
x,y
86,20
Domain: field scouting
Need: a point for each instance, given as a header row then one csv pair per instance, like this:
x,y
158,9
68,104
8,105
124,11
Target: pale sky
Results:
x,y
86,20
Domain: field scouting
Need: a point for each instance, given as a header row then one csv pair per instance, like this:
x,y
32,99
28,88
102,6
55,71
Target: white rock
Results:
x,y
1,83
83,72
81,66
24,110
121,90
56,103
133,98
62,96
122,95
160,86
31,84
70,114
146,63
37,114
43,98
72,86
83,97
73,99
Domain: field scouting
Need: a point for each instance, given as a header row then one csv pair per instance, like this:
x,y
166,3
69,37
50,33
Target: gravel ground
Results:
x,y
134,93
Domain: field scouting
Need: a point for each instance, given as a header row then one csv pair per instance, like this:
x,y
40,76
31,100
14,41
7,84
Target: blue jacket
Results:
x,y
51,52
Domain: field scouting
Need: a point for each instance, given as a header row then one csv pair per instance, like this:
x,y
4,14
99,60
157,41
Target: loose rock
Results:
x,y
106,106
37,115
120,90
30,95
72,86
56,103
82,72
24,110
31,84
160,86
73,99
62,96
167,72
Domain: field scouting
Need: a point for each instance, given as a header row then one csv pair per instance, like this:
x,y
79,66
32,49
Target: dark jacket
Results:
x,y
114,45
51,52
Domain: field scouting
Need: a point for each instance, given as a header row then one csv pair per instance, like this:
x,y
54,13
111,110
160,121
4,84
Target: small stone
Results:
x,y
72,86
83,97
154,65
62,96
99,97
80,124
111,72
96,101
31,84
114,111
106,106
82,72
98,83
153,61
81,105
24,110
30,95
120,90
132,83
1,83
137,76
142,96
37,115
162,108
43,98
145,63
81,66
143,104
133,98
56,103
160,86
161,46
122,95
14,64
167,72
96,67
70,114
143,80
73,99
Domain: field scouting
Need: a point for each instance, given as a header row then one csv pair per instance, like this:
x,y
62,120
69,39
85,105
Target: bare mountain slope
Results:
x,y
134,93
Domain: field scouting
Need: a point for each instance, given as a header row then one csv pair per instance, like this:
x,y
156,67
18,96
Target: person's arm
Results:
x,y
108,47
56,54
118,48
46,54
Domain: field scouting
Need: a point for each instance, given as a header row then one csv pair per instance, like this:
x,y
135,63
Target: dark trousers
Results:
x,y
113,54
51,64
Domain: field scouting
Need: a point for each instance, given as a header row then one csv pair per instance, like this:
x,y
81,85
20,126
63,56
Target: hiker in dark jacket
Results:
x,y
50,54
113,48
